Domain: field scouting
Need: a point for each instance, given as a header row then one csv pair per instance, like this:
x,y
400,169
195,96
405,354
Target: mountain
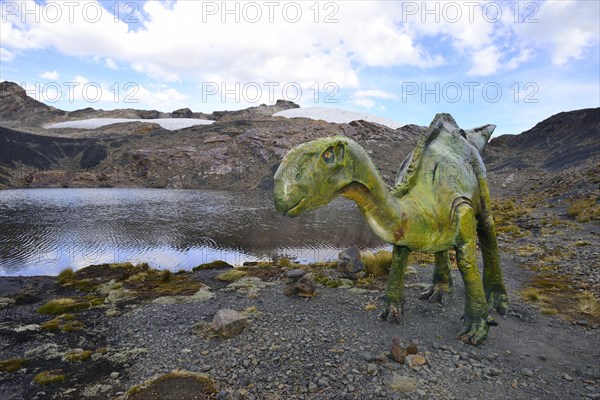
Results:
x,y
561,141
242,149
16,104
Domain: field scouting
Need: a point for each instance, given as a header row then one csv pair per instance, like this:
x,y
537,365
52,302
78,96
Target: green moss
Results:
x,y
217,264
324,280
49,377
64,323
67,305
177,384
231,276
78,356
151,284
66,275
12,364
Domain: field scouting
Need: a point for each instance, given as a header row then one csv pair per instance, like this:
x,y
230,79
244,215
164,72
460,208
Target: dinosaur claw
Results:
x,y
437,293
392,313
498,300
475,330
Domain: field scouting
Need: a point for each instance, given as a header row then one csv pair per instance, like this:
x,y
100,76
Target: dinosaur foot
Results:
x,y
437,293
498,300
475,330
392,312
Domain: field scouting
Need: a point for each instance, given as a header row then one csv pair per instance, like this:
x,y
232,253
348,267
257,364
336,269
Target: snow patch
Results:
x,y
167,123
337,115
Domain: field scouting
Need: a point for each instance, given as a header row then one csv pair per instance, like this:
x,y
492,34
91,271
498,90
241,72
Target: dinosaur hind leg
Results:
x,y
493,282
394,293
440,290
476,321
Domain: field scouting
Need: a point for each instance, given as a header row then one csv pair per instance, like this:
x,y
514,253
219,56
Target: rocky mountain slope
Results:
x,y
242,148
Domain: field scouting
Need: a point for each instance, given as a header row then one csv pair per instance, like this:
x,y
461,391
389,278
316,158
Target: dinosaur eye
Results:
x,y
328,156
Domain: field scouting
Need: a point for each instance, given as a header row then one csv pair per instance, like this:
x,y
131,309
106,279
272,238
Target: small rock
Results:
x,y
228,322
398,352
414,360
542,357
582,322
322,383
368,357
295,274
312,387
567,377
114,375
371,369
421,392
527,372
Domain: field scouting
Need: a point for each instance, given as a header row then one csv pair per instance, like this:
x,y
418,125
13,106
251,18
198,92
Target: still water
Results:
x,y
43,231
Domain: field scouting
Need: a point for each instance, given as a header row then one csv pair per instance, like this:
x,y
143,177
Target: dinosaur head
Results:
x,y
311,175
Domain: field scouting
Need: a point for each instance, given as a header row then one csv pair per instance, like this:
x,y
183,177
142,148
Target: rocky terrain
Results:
x,y
546,200
330,346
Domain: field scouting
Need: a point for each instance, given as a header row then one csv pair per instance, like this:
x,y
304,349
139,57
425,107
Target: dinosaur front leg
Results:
x,y
394,293
440,290
476,321
493,282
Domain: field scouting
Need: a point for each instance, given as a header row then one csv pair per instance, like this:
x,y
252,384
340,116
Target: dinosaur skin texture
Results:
x,y
440,201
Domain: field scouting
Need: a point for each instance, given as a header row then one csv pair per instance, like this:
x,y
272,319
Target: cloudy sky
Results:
x,y
512,63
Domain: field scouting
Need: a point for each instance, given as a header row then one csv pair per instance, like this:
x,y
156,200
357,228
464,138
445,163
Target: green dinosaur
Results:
x,y
441,201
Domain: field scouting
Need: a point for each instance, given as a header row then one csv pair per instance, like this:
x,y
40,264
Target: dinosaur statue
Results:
x,y
441,201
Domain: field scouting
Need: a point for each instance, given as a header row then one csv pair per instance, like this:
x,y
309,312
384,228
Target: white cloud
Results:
x,y
181,41
485,62
111,63
567,29
375,93
305,52
364,98
50,75
6,55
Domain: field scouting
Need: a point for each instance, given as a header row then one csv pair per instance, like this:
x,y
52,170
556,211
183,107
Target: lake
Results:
x,y
43,231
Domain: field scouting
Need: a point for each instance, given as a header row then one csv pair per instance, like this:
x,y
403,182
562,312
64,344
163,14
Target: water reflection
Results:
x,y
46,230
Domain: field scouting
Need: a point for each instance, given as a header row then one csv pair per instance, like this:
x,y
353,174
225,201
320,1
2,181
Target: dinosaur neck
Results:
x,y
385,213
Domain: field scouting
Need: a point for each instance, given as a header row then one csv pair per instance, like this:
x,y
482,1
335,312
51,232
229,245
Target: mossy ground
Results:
x,y
69,304
49,377
175,385
12,364
217,264
585,209
231,276
78,356
557,294
64,323
141,281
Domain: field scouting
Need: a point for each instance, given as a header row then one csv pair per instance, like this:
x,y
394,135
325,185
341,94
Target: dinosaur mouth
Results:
x,y
295,209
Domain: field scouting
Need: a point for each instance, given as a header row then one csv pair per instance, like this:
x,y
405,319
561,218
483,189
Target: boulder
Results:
x,y
228,322
349,261
182,113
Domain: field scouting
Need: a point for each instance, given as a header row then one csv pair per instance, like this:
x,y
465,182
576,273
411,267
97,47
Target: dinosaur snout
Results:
x,y
287,193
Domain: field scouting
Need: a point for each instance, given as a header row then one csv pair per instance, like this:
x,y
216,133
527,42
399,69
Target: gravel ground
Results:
x,y
327,347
